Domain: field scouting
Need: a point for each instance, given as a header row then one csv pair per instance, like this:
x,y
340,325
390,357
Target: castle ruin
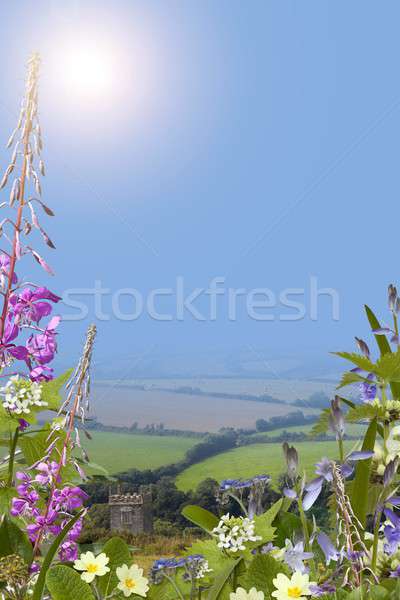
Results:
x,y
132,512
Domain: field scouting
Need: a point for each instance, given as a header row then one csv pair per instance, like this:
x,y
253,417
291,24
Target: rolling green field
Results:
x,y
352,429
252,460
118,451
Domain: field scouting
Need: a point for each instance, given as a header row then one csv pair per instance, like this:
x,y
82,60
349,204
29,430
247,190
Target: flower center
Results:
x,y
294,592
130,583
91,568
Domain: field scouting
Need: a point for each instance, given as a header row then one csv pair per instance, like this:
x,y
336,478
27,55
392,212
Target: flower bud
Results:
x,y
392,297
362,346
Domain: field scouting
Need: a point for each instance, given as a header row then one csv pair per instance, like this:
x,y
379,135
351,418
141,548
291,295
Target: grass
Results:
x,y
118,451
254,459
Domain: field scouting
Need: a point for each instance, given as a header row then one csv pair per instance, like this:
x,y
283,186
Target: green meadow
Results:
x,y
118,451
247,461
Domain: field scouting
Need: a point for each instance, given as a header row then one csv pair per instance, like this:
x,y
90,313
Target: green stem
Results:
x,y
341,449
13,447
307,545
172,582
376,539
242,506
234,579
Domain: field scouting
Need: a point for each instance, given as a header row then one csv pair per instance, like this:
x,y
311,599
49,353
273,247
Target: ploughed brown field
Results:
x,y
122,406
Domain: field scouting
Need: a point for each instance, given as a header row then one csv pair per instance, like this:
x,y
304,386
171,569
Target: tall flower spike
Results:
x,y
79,384
78,390
348,525
27,143
26,167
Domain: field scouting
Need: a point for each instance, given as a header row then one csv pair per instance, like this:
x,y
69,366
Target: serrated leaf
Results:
x,y
51,390
359,360
383,345
33,446
65,584
388,366
201,517
322,425
263,523
119,554
349,378
362,412
214,555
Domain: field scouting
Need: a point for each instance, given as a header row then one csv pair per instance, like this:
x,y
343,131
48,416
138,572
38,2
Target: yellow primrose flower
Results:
x,y
241,594
296,587
131,581
92,566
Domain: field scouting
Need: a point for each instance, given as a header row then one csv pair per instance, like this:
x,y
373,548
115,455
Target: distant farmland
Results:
x,y
122,406
247,461
118,452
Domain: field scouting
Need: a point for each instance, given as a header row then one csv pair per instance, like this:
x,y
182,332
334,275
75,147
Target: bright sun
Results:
x,y
89,70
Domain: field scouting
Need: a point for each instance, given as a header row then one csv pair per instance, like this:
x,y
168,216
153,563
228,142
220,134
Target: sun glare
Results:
x,y
89,70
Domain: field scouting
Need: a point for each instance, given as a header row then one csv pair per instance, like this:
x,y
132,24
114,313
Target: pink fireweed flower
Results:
x,y
23,488
69,498
5,270
42,525
68,552
75,531
41,373
47,472
29,306
25,506
8,350
42,347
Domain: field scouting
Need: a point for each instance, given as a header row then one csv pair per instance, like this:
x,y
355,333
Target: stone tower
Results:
x,y
132,512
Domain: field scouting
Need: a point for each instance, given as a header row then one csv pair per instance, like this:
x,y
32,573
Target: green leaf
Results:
x,y
349,378
65,584
222,579
357,359
349,403
6,495
383,346
51,390
214,555
162,591
263,523
322,425
363,412
388,366
33,446
262,570
48,559
201,517
359,498
14,541
287,526
119,554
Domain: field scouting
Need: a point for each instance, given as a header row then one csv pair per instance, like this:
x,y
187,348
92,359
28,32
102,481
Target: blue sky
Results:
x,y
255,141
